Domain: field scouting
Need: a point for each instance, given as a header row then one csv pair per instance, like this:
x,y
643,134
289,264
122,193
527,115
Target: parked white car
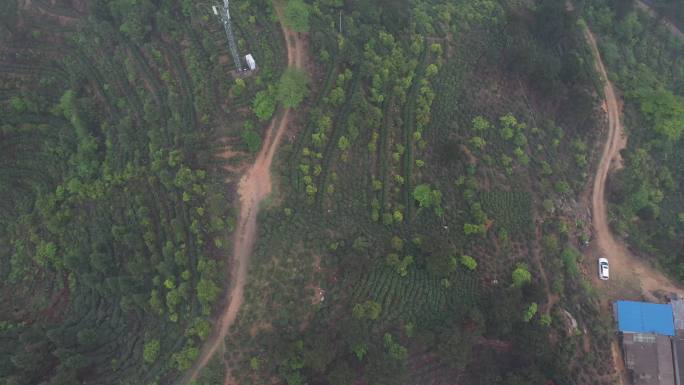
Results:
x,y
603,269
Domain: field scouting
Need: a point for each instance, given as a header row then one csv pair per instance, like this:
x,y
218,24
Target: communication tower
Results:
x,y
223,14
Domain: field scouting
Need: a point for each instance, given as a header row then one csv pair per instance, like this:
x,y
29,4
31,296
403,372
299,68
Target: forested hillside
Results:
x,y
428,213
428,204
122,127
647,63
672,10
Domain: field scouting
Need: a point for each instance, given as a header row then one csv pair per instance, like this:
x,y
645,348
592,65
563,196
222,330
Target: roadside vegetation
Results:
x,y
645,61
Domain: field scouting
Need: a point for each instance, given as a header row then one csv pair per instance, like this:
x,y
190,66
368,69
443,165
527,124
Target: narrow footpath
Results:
x,y
254,186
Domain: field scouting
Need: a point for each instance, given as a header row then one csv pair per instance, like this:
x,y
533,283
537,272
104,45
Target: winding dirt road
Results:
x,y
622,262
625,267
254,186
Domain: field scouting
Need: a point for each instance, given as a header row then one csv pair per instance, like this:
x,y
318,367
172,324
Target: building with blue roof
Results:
x,y
644,317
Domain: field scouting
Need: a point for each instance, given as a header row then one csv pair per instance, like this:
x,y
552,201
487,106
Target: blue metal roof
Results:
x,y
644,317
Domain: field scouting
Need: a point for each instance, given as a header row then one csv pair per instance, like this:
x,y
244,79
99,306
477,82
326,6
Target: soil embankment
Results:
x,y
254,186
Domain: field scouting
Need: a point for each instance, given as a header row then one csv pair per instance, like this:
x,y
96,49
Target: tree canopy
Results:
x,y
297,15
664,110
293,87
264,104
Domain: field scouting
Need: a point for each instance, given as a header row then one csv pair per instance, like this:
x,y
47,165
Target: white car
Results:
x,y
603,270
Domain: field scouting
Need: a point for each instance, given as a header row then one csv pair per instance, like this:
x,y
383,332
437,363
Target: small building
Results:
x,y
647,332
645,318
648,358
250,62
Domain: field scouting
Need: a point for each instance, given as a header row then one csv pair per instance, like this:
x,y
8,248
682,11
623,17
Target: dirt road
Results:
x,y
254,186
624,265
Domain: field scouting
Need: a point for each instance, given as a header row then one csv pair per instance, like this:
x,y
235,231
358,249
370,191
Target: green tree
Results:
x,y
360,349
151,351
521,275
18,104
264,104
337,96
478,142
469,262
343,143
369,309
397,351
398,216
530,312
185,357
293,87
251,139
562,187
480,124
423,194
664,110
297,15
397,243
469,228
400,265
436,49
431,70
545,320
207,292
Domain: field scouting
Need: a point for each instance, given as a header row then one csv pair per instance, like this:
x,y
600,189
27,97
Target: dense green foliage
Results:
x,y
407,241
264,104
423,215
645,59
292,88
115,211
297,15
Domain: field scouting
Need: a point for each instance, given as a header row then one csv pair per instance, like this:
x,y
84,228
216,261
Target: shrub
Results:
x,y
469,262
251,139
185,357
521,275
264,104
151,351
292,88
297,15
530,312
